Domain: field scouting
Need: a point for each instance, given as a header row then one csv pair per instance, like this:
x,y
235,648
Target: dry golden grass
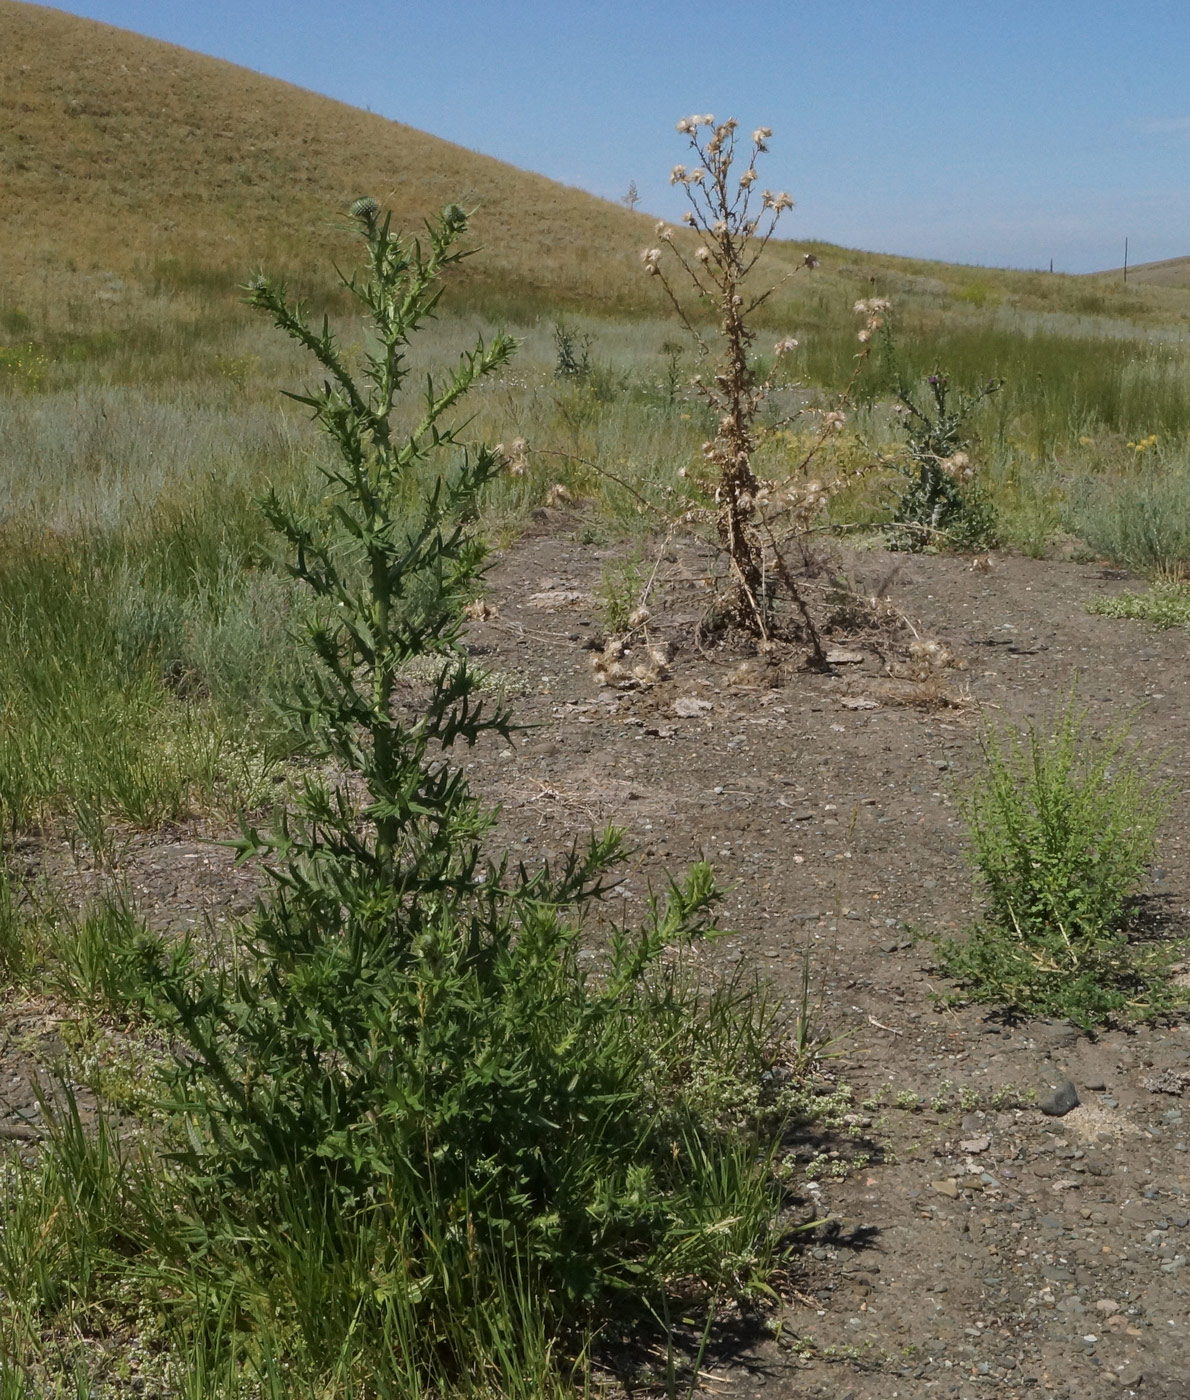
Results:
x,y
120,152
1172,272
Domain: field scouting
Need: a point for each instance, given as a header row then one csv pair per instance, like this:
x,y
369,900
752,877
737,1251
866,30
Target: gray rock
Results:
x,y
1059,1100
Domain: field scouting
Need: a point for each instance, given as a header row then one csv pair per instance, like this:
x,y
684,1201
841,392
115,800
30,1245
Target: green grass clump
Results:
x,y
1062,828
124,693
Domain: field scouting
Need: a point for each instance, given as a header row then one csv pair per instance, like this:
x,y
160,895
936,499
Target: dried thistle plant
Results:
x,y
732,234
733,223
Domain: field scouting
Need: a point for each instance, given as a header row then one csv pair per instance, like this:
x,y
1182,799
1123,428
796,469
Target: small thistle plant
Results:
x,y
941,502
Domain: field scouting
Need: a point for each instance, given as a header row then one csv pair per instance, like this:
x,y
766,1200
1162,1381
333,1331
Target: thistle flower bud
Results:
x,y
810,260
677,174
748,178
702,255
366,209
688,218
783,347
650,257
762,134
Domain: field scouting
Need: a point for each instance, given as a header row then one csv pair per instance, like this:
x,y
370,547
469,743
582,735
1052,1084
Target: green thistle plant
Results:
x,y
941,502
408,1099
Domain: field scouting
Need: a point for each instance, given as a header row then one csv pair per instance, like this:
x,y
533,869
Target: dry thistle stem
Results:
x,y
734,223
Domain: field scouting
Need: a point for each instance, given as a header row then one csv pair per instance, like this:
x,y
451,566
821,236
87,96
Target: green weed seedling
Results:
x,y
620,587
1062,828
1166,603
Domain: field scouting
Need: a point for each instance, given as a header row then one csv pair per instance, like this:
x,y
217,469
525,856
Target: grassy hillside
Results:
x,y
132,168
1171,272
121,154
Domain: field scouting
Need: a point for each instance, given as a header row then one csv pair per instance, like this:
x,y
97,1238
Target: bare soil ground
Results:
x,y
982,1248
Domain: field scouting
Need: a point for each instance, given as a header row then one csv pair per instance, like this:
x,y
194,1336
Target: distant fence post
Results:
x,y
1125,260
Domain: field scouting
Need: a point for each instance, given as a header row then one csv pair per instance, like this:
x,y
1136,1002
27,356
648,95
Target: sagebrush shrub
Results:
x,y
1142,522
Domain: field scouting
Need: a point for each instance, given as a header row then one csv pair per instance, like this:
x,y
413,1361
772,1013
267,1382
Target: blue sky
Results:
x,y
1000,132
